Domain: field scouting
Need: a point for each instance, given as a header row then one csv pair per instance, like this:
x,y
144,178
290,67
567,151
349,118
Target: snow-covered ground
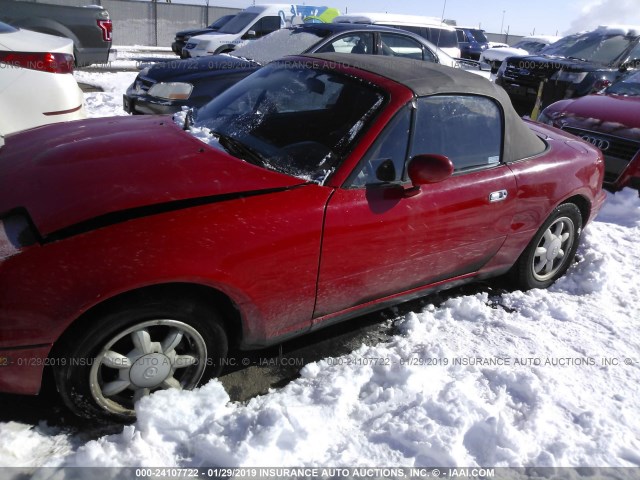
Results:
x,y
539,378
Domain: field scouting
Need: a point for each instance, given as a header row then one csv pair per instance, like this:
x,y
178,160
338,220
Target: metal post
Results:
x,y
155,21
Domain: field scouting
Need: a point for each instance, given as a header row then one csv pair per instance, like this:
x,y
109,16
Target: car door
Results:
x,y
382,237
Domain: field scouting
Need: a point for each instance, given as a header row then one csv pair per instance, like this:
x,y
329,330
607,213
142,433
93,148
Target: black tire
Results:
x,y
549,254
151,344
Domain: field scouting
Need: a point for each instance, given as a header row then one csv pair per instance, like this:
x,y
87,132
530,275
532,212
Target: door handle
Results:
x,y
497,196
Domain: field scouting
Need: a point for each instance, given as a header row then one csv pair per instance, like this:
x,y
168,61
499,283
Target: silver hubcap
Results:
x,y
553,248
152,355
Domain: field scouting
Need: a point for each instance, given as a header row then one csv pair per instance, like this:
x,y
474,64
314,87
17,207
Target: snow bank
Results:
x,y
107,103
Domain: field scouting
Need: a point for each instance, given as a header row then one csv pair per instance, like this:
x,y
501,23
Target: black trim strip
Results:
x,y
121,216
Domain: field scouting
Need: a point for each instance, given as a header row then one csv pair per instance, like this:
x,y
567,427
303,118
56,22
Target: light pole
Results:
x,y
502,24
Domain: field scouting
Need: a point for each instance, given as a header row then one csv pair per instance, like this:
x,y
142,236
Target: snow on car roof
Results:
x,y
426,78
541,38
395,18
630,30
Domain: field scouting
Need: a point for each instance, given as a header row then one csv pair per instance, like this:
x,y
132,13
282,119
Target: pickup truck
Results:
x,y
89,27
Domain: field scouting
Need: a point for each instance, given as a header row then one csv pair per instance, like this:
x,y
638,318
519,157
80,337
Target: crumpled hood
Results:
x,y
611,114
68,173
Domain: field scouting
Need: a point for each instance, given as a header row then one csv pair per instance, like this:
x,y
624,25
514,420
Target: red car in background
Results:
x,y
134,250
611,122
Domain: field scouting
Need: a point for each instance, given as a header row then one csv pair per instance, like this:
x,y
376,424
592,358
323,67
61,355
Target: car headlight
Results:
x,y
569,77
15,234
171,90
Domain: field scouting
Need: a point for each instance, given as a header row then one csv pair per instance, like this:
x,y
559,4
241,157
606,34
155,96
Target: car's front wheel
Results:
x,y
127,353
552,249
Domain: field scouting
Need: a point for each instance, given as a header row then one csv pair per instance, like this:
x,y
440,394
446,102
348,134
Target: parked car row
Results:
x,y
167,87
230,32
574,66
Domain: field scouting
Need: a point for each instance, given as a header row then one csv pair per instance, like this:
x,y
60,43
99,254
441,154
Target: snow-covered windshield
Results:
x,y
296,119
628,86
283,42
601,46
238,23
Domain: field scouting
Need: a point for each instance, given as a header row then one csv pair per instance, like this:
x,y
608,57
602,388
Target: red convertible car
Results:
x,y
611,122
133,251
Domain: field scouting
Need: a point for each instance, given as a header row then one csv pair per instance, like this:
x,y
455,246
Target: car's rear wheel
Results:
x,y
552,249
127,353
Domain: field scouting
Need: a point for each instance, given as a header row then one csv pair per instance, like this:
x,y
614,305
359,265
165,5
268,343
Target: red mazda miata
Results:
x,y
134,250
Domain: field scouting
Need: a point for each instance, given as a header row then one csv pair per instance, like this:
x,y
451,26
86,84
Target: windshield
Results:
x,y
278,44
221,21
479,36
294,119
238,23
600,46
628,86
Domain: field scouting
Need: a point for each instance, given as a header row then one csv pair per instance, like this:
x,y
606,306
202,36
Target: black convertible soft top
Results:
x,y
425,78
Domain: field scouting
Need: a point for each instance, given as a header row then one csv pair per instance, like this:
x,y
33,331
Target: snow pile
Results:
x,y
107,103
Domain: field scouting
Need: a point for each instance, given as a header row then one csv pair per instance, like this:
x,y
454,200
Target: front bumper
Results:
x,y
21,368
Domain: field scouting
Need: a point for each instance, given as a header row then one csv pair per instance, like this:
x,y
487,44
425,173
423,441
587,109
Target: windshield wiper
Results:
x,y
578,58
238,149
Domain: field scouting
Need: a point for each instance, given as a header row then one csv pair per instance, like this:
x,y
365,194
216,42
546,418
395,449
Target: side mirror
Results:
x,y
250,34
429,168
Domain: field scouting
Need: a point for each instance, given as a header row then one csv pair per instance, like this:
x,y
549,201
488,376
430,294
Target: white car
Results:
x,y
36,80
526,46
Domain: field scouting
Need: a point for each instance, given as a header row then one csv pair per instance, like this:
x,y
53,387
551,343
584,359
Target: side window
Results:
x,y
400,46
385,160
461,36
351,43
465,128
266,25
